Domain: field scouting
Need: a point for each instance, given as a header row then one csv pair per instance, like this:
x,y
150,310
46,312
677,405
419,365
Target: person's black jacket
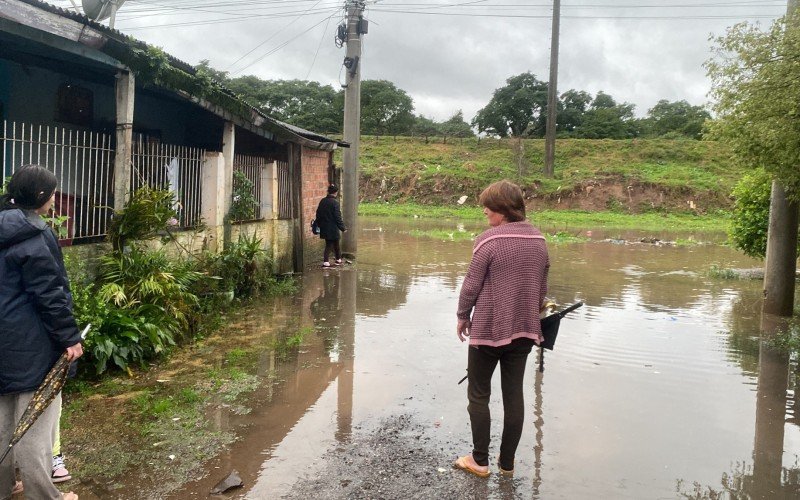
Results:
x,y
36,321
329,218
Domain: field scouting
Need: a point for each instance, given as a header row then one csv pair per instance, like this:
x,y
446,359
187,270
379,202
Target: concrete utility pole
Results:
x,y
113,19
356,26
781,259
552,95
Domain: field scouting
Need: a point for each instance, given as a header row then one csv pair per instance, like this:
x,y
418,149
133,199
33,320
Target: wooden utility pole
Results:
x,y
781,259
356,26
552,95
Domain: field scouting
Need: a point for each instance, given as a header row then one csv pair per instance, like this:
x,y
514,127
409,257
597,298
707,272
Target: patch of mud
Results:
x,y
397,460
608,193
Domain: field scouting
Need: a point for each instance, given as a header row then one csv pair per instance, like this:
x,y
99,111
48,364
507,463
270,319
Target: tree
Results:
x,y
756,82
678,117
385,109
520,107
307,104
304,103
756,85
456,126
573,106
205,68
425,127
605,119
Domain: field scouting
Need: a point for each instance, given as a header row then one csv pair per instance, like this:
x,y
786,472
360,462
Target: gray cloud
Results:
x,y
448,63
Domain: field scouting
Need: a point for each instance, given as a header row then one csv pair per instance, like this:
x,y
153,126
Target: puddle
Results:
x,y
658,386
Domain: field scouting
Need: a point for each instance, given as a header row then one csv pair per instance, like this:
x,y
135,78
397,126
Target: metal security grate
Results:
x,y
175,168
252,168
82,161
284,191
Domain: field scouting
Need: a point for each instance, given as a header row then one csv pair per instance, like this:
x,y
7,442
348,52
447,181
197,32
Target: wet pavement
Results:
x,y
658,387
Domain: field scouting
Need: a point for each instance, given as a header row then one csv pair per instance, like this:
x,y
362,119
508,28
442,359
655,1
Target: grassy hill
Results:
x,y
632,176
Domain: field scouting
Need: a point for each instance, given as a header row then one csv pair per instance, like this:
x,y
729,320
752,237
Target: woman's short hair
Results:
x,y
333,189
506,198
29,188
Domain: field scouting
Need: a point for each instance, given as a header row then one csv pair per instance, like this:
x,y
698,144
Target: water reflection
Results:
x,y
303,388
766,477
538,449
662,375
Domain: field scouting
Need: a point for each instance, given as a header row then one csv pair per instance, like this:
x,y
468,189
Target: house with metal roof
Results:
x,y
108,114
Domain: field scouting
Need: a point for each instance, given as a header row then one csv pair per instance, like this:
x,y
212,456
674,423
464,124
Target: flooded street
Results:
x,y
657,387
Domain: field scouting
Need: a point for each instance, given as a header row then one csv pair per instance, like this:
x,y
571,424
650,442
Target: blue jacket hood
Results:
x,y
17,225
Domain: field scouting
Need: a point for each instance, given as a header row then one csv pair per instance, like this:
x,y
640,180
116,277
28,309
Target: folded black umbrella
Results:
x,y
550,326
551,323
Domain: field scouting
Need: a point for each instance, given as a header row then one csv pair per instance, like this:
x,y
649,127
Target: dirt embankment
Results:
x,y
606,193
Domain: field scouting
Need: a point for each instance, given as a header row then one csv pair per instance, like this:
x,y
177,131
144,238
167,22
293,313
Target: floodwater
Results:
x,y
659,387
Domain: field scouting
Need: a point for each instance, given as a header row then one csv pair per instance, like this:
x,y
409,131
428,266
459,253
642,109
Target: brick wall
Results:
x,y
314,172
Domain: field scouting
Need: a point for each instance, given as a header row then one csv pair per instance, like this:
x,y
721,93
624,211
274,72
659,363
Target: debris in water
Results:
x,y
232,481
171,457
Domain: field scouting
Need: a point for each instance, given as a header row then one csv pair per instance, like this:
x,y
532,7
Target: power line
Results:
x,y
321,39
547,16
284,44
273,35
245,17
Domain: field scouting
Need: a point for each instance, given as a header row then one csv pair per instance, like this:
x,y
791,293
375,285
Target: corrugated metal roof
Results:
x,y
174,61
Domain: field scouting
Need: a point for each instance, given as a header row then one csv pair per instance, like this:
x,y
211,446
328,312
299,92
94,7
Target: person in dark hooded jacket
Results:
x,y
36,326
329,220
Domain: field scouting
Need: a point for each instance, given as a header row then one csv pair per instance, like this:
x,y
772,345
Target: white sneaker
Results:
x,y
326,264
60,472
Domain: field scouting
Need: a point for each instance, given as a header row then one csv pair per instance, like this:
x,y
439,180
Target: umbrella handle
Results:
x,y
570,309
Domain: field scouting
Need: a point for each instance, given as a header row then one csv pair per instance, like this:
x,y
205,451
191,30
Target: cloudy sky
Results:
x,y
452,54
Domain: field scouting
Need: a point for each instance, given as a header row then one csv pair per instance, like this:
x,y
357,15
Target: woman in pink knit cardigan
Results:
x,y
498,311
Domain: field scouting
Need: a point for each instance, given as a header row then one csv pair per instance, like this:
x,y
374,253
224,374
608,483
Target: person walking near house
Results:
x,y
36,327
329,220
498,311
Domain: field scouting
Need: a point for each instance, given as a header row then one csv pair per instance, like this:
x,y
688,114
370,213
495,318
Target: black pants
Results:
x,y
332,245
481,364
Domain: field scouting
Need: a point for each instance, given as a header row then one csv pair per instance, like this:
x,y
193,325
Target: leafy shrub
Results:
x,y
243,267
137,313
243,204
750,218
146,214
131,335
140,277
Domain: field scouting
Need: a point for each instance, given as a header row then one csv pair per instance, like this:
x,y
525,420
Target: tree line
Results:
x,y
518,109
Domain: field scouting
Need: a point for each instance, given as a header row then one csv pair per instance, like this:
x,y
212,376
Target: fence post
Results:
x,y
125,90
215,197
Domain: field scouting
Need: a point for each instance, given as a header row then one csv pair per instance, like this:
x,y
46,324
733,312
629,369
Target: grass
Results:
x,y
465,166
287,345
444,235
722,273
151,422
651,221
